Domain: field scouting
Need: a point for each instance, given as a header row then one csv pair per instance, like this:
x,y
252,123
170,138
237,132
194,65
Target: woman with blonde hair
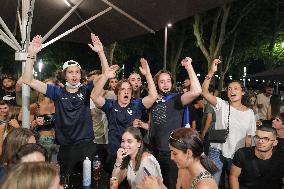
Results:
x,y
33,175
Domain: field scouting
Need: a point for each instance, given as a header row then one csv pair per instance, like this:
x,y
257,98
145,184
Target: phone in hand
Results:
x,y
146,171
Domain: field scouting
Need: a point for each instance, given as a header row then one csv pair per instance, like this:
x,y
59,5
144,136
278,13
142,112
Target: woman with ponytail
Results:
x,y
194,168
133,160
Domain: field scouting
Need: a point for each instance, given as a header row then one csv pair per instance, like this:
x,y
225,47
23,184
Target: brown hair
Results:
x,y
135,132
187,138
119,84
13,142
39,175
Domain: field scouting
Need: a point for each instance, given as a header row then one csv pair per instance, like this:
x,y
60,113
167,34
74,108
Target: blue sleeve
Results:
x,y
108,105
52,91
138,103
89,86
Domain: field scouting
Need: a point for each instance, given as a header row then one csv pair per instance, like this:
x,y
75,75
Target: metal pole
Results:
x,y
165,48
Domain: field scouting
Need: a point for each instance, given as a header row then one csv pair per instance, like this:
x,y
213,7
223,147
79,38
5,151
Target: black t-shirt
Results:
x,y
166,116
8,96
257,173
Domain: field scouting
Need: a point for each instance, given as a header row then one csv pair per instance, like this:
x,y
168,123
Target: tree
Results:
x,y
213,34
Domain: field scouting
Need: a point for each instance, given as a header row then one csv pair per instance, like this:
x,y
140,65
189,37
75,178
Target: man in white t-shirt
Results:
x,y
263,101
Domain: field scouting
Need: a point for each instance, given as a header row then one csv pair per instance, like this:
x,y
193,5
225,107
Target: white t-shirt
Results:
x,y
265,101
150,163
240,124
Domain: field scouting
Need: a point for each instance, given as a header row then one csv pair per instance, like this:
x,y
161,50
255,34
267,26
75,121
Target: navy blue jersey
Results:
x,y
120,118
73,120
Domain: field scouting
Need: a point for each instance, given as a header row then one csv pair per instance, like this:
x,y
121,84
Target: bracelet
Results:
x,y
117,165
30,57
208,77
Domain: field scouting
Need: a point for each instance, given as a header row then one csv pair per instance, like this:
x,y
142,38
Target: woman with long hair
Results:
x,y
194,167
39,175
232,115
133,160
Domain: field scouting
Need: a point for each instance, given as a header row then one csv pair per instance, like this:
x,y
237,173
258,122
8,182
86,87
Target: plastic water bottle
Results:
x,y
87,172
97,165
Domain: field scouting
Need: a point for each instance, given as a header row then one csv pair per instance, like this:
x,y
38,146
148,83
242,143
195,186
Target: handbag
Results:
x,y
219,135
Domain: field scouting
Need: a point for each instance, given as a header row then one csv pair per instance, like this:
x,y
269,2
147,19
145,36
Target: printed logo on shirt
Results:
x,y
80,96
129,111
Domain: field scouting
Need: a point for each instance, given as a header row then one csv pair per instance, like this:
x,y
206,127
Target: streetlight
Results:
x,y
40,65
122,71
244,76
165,45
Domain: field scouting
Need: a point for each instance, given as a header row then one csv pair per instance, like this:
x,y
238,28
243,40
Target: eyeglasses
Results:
x,y
264,139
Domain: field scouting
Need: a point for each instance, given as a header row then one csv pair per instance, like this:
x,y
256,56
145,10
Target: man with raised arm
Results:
x,y
73,121
122,112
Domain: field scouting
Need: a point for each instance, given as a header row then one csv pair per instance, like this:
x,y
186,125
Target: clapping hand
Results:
x,y
96,45
35,45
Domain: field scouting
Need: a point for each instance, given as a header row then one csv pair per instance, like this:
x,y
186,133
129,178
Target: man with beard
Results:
x,y
122,112
167,115
260,166
7,91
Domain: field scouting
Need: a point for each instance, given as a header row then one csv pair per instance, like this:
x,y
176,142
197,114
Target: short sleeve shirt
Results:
x,y
258,173
120,118
73,120
241,123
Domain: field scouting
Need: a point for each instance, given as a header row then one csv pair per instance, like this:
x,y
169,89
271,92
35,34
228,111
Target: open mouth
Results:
x,y
125,97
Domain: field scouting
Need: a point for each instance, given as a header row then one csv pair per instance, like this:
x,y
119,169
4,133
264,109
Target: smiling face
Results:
x,y
135,81
73,75
124,94
130,144
164,83
235,92
179,157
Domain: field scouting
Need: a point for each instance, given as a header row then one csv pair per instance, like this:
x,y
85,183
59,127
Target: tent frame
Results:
x,y
25,23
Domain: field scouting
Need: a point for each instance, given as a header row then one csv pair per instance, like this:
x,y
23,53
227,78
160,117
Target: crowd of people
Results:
x,y
148,137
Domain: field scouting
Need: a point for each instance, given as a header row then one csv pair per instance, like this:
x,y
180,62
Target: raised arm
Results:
x,y
97,47
149,100
96,96
33,49
195,88
205,92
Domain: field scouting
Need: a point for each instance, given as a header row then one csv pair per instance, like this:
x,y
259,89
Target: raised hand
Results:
x,y
214,65
186,62
111,71
35,45
144,68
121,153
96,45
